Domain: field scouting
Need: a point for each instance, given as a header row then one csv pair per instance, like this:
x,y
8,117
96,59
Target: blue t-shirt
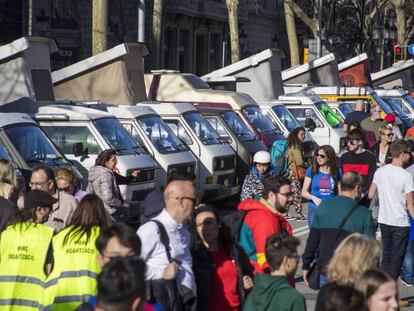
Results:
x,y
322,185
411,234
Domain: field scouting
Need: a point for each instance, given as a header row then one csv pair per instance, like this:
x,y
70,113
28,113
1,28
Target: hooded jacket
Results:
x,y
253,183
258,224
274,293
102,182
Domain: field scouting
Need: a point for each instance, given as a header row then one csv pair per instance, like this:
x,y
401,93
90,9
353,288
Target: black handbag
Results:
x,y
170,294
314,271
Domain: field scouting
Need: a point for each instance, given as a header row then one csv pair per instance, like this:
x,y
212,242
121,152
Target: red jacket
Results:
x,y
258,224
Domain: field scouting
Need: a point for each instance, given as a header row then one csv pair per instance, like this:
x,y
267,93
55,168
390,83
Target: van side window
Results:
x,y
302,113
66,136
218,126
179,131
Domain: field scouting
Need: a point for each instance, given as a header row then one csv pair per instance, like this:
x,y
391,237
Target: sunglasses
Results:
x,y
388,135
66,189
322,156
353,142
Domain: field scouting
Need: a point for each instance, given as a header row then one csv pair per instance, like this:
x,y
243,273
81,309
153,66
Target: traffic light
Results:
x,y
398,53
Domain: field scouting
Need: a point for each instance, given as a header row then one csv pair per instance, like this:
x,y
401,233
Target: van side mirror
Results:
x,y
78,151
310,124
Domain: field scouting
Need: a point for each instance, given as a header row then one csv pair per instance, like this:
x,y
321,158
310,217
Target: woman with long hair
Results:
x,y
8,184
75,264
66,181
222,269
297,168
103,181
382,148
379,289
322,179
355,254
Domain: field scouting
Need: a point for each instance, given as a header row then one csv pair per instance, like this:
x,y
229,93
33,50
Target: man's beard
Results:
x,y
281,209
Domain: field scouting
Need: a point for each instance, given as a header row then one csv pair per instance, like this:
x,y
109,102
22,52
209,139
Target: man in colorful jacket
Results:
x,y
264,218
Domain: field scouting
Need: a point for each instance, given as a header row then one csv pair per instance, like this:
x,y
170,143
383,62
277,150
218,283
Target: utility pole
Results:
x,y
141,21
319,31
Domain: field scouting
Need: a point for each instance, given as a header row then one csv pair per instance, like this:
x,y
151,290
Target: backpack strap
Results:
x,y
164,239
343,222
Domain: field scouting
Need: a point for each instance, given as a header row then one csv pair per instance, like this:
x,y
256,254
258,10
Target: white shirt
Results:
x,y
154,254
393,183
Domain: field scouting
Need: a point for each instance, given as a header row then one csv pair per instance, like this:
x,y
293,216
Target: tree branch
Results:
x,y
311,23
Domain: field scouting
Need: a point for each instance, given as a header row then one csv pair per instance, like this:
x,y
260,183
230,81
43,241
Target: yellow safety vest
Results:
x,y
75,270
23,251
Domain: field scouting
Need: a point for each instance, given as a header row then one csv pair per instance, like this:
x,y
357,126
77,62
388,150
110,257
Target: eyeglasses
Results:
x,y
287,194
38,184
377,111
322,156
193,200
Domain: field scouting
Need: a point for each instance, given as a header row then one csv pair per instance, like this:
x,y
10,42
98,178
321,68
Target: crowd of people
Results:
x,y
62,248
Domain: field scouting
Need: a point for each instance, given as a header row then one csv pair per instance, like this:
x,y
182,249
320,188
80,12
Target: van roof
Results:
x,y
395,68
113,76
170,108
331,90
248,62
73,112
15,118
132,112
394,92
297,99
295,71
352,61
272,103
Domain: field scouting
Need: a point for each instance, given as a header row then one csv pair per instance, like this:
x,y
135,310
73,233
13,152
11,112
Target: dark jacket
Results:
x,y
203,267
274,293
324,234
7,211
388,157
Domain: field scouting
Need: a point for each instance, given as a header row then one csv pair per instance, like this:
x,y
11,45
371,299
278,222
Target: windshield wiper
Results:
x,y
207,139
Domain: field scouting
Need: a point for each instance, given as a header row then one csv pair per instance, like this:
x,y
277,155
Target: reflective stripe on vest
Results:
x,y
23,249
76,268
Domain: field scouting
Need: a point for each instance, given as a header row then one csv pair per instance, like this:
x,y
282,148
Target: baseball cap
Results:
x,y
36,198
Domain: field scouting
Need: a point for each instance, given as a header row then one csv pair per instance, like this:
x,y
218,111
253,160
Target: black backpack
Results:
x,y
234,222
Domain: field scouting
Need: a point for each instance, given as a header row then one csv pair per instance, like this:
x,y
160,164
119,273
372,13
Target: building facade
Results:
x,y
195,36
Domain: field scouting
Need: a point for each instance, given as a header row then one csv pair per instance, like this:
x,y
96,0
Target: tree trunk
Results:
x,y
291,32
234,30
156,34
99,26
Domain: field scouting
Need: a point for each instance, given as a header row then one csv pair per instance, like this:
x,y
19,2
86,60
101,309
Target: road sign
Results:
x,y
411,49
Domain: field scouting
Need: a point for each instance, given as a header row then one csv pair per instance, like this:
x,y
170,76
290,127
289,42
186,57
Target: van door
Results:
x,y
321,132
66,135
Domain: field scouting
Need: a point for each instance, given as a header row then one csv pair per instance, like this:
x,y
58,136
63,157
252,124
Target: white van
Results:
x,y
277,112
398,97
217,160
24,143
147,127
82,133
308,110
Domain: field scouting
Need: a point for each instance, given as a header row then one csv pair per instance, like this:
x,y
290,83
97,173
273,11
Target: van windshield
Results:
x,y
409,100
238,126
330,116
395,106
3,153
286,117
161,135
202,128
382,103
34,146
196,82
117,136
259,120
